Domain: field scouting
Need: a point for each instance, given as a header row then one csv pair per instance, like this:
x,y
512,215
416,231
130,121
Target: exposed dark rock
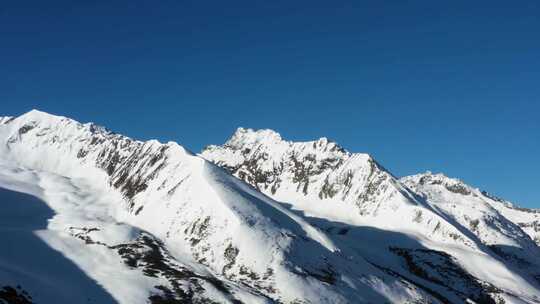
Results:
x,y
458,188
534,224
10,295
442,269
474,224
198,231
327,190
230,255
83,234
10,119
326,275
139,210
374,187
150,256
245,271
491,196
26,128
82,153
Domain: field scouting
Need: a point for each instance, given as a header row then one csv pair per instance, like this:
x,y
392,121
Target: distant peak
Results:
x,y
246,136
428,174
323,140
427,178
35,114
44,119
261,133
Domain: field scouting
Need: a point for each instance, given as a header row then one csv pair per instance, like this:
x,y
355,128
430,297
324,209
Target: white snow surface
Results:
x,y
303,223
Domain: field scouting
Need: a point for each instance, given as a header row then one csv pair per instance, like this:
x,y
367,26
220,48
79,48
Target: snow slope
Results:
x,y
146,222
39,249
496,223
184,229
324,181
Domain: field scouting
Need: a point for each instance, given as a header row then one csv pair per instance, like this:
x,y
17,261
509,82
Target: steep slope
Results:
x,y
526,219
151,222
319,169
443,190
322,179
495,222
40,245
325,182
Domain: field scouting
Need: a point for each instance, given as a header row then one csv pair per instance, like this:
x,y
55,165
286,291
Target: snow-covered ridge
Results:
x,y
5,119
206,225
451,184
339,228
319,168
441,188
320,178
323,179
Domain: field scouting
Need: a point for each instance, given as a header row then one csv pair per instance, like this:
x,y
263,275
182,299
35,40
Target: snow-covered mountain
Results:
x,y
90,216
497,223
322,180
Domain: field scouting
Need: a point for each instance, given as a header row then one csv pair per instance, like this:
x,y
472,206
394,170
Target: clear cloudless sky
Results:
x,y
446,86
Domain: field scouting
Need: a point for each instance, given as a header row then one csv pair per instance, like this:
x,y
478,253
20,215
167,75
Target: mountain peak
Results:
x,y
37,117
249,138
38,112
431,176
311,170
35,114
428,178
243,136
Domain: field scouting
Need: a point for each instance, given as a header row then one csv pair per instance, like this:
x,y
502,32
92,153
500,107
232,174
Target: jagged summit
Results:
x,y
248,138
319,168
431,175
452,184
246,135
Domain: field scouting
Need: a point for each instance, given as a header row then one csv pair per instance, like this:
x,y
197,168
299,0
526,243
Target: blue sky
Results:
x,y
420,85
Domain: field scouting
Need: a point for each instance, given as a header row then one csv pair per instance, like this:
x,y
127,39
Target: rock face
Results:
x,y
321,178
318,169
279,222
496,223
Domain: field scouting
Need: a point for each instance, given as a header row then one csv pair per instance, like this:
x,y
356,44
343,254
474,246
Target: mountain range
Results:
x,y
92,216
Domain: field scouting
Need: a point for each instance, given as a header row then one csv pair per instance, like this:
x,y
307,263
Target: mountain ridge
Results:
x,y
294,232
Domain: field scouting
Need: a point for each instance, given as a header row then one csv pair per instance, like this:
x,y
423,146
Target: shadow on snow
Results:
x,y
27,261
